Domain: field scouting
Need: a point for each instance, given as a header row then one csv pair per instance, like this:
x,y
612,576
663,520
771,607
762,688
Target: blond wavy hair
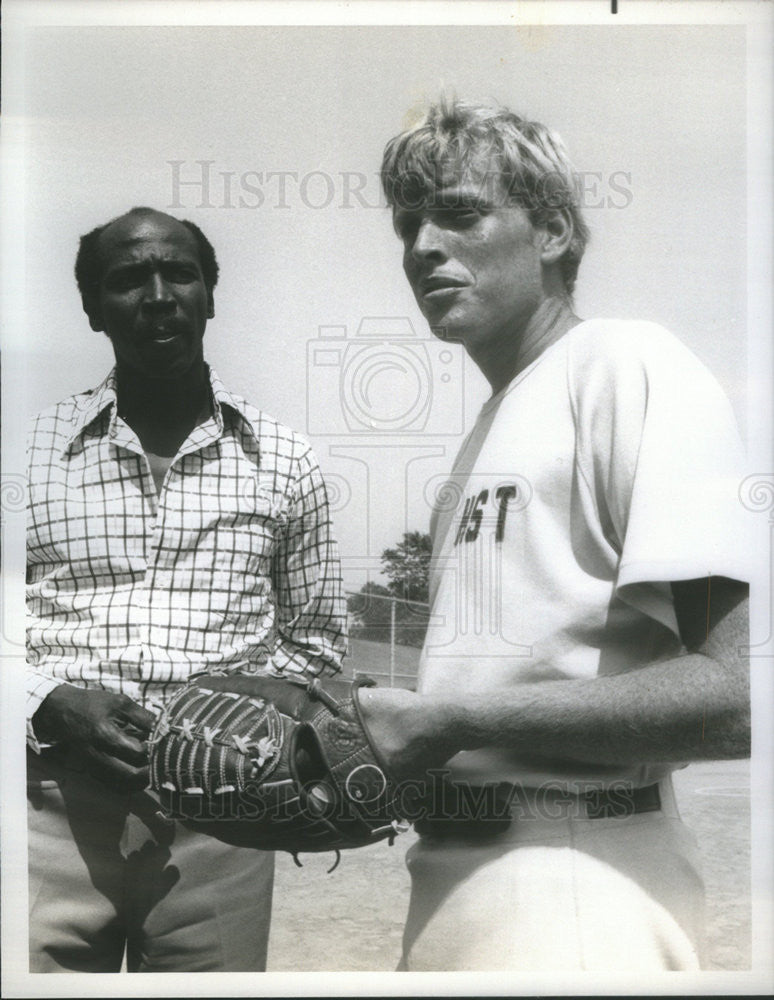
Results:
x,y
489,143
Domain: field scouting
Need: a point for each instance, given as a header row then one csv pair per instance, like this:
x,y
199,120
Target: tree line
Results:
x,y
406,567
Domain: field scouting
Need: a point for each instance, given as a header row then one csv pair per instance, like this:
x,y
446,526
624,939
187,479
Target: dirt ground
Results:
x,y
352,919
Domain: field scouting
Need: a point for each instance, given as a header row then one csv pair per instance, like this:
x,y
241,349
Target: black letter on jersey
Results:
x,y
463,521
503,494
475,516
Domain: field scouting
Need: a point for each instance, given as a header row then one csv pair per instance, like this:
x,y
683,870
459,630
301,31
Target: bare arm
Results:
x,y
694,706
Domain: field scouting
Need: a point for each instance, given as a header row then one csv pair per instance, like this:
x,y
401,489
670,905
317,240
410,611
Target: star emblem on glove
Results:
x,y
186,729
266,747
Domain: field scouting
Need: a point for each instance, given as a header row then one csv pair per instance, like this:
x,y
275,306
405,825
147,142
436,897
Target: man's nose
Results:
x,y
428,241
158,295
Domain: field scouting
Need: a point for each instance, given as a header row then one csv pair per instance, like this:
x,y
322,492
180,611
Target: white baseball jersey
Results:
x,y
606,469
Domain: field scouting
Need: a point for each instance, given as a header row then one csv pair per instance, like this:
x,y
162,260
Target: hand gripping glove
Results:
x,y
275,763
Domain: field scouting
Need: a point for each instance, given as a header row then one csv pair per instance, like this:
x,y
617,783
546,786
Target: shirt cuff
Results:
x,y
39,686
312,660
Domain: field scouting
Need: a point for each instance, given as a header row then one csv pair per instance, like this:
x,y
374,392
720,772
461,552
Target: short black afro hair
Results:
x,y
88,262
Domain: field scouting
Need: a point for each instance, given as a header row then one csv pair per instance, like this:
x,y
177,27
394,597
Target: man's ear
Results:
x,y
210,304
92,309
557,232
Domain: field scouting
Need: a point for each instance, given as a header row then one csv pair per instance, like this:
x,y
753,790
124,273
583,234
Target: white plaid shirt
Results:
x,y
133,591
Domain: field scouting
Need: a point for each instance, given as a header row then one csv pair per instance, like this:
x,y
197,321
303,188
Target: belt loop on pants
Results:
x,y
622,802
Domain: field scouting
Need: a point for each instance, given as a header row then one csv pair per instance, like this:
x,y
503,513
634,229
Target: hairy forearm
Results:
x,y
688,708
691,707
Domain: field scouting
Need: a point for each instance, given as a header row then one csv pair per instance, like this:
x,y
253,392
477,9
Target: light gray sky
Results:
x,y
653,116
660,112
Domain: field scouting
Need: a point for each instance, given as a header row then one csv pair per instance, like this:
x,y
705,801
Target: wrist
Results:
x,y
46,722
413,731
438,724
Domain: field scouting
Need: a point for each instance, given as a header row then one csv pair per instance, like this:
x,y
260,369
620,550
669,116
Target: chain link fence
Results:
x,y
386,636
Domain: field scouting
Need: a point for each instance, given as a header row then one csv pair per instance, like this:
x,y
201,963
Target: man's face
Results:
x,y
152,302
472,260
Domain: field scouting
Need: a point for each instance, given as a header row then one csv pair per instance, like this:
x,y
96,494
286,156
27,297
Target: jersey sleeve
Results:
x,y
659,450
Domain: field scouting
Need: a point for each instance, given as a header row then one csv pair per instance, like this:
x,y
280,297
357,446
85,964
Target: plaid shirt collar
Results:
x,y
105,397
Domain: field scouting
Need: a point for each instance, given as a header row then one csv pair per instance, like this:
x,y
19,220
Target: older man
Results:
x,y
173,529
588,595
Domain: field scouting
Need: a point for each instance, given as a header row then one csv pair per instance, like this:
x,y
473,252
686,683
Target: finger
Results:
x,y
136,717
115,773
130,749
113,741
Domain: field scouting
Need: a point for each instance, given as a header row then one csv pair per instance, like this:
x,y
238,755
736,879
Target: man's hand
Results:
x,y
110,731
412,733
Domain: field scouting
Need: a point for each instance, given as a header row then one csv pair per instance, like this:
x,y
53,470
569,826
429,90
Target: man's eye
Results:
x,y
406,228
181,275
459,215
125,281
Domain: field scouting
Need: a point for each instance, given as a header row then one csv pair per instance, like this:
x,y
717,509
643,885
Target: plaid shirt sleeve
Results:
x,y
39,683
311,614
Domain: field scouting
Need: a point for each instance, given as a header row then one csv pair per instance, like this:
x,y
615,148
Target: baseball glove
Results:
x,y
275,763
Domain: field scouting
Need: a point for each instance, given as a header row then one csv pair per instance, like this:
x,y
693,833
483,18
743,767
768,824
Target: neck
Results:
x,y
511,353
163,412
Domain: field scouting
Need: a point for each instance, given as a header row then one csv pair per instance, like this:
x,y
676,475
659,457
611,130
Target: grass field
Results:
x,y
352,919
